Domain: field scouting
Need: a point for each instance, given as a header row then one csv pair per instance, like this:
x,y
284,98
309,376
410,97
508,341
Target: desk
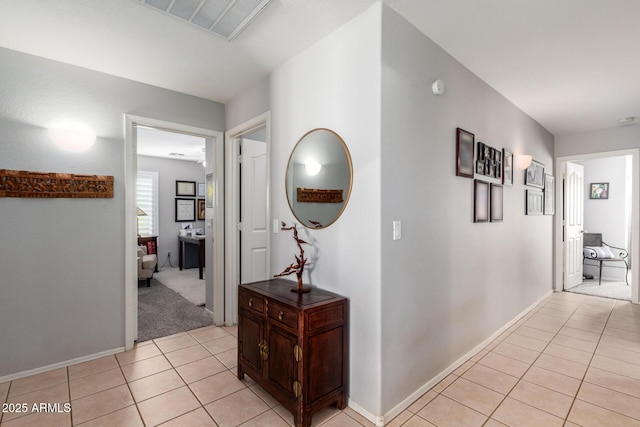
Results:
x,y
198,240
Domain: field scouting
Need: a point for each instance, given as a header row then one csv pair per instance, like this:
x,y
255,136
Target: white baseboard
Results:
x,y
64,364
399,408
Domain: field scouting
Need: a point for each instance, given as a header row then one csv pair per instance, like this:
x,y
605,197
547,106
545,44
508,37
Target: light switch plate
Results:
x,y
276,226
397,230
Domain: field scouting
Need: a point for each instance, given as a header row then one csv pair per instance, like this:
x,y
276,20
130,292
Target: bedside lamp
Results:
x,y
140,213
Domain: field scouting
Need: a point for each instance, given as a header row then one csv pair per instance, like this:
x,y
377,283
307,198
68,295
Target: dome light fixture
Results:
x,y
312,167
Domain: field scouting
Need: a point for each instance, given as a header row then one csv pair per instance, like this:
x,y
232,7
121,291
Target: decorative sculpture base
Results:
x,y
301,290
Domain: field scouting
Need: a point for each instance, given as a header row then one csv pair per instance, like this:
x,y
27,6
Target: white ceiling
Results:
x,y
572,65
170,145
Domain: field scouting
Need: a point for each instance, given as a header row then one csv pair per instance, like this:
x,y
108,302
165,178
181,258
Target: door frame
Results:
x,y
215,156
559,247
232,199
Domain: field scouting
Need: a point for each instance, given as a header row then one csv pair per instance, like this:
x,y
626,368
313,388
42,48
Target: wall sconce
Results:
x,y
72,137
312,167
523,161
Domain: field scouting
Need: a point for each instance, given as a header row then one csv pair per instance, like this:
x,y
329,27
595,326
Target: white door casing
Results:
x,y
215,225
574,225
253,211
232,210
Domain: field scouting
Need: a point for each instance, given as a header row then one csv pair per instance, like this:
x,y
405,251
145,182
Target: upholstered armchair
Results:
x,y
146,265
596,250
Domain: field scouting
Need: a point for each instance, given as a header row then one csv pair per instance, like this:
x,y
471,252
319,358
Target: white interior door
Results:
x,y
574,226
253,212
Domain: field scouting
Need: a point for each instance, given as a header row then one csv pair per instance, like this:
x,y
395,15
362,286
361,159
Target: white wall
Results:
x,y
449,283
169,171
334,84
62,260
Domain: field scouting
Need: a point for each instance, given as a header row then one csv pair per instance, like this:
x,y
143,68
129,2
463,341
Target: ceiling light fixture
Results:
x,y
312,167
224,18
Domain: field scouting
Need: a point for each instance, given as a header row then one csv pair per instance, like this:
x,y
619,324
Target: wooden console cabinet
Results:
x,y
294,345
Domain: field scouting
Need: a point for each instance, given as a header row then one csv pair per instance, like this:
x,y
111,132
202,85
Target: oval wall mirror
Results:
x,y
319,178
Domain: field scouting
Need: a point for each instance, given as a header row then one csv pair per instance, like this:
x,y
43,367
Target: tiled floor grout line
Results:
x,y
530,365
573,402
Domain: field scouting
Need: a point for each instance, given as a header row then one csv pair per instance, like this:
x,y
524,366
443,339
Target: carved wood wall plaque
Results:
x,y
313,195
41,185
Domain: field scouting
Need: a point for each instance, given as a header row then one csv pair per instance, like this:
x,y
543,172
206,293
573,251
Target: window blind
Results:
x,y
147,202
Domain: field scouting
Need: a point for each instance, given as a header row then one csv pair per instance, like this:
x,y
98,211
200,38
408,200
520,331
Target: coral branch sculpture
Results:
x,y
298,267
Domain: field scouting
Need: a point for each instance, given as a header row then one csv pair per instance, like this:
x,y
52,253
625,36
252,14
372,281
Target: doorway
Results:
x,y
213,223
570,223
247,214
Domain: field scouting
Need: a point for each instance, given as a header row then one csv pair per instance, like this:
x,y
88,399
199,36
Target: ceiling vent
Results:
x,y
225,18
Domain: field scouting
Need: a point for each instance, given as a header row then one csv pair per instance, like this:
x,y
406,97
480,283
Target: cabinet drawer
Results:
x,y
282,314
252,302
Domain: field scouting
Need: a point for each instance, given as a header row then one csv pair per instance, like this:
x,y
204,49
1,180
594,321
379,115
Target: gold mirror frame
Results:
x,y
327,195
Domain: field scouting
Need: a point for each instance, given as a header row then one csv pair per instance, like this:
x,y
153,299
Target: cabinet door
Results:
x,y
251,334
281,365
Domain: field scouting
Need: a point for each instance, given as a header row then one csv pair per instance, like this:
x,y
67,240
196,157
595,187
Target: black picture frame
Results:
x,y
185,210
464,153
549,195
534,175
481,151
481,201
201,209
599,191
185,188
507,167
496,203
480,167
534,201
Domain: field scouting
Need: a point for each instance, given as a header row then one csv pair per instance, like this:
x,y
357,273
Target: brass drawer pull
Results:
x,y
281,315
250,302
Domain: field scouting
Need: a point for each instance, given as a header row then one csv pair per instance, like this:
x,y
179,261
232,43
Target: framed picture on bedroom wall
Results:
x,y
185,210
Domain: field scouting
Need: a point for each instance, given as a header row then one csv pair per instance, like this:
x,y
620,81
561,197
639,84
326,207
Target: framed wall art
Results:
x,y
534,175
535,202
201,210
549,194
599,190
186,188
507,167
464,153
185,210
481,195
201,189
209,190
496,203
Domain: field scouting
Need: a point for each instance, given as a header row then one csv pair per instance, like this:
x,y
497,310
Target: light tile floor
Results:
x,y
573,360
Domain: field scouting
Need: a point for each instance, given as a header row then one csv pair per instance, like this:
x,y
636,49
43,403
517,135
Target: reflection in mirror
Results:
x,y
319,177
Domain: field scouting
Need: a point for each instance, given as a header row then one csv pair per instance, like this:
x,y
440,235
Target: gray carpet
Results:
x,y
617,290
163,312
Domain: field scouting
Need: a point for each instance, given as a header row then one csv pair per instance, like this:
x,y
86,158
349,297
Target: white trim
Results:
x,y
64,364
232,138
400,407
560,163
130,173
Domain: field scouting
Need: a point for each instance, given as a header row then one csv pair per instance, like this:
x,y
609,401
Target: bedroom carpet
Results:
x,y
162,312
